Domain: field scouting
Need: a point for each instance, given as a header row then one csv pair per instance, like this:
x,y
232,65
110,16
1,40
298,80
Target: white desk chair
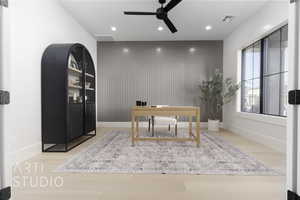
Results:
x,y
159,120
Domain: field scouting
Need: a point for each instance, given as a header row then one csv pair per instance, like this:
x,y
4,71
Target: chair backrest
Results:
x,y
160,106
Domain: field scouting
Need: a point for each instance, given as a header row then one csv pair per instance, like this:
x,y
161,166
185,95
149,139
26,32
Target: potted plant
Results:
x,y
215,93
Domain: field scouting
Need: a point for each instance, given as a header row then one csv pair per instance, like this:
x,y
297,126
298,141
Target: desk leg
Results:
x,y
152,119
137,127
198,128
190,125
132,129
149,125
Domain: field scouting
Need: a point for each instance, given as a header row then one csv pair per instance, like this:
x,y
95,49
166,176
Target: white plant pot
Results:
x,y
213,125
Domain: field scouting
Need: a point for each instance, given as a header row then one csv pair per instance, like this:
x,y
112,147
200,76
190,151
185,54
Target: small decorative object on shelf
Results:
x,y
72,62
67,95
73,80
87,85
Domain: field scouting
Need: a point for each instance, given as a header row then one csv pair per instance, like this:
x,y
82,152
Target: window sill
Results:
x,y
275,120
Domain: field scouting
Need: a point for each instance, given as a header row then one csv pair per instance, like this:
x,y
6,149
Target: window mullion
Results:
x,y
280,61
252,89
242,82
262,57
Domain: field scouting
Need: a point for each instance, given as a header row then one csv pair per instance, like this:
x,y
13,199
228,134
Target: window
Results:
x,y
251,78
264,75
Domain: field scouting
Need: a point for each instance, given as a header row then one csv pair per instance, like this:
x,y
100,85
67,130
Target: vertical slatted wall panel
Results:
x,y
168,77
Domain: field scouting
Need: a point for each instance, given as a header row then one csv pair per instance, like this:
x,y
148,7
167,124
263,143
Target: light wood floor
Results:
x,y
95,186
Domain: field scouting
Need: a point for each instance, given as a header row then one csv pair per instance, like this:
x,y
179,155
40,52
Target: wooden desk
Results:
x,y
189,111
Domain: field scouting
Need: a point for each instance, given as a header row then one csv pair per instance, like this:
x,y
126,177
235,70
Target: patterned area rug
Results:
x,y
113,153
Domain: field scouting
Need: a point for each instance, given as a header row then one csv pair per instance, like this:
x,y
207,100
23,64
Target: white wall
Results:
x,y
264,129
5,139
34,24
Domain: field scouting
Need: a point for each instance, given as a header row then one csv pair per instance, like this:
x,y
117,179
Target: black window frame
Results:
x,y
262,75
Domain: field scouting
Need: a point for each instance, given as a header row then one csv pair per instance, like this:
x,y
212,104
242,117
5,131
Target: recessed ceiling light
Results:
x,y
267,27
113,28
158,49
125,50
192,49
228,19
208,27
160,28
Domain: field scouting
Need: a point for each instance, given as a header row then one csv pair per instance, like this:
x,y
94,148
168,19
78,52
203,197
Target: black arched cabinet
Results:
x,y
68,97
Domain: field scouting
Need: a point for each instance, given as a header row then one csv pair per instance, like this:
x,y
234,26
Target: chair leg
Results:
x,y
176,130
169,127
149,124
152,126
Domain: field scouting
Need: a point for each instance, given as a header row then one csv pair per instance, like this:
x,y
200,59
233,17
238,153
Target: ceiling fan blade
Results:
x,y
170,25
139,13
171,5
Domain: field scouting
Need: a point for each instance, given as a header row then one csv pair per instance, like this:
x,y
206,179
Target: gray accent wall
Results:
x,y
161,73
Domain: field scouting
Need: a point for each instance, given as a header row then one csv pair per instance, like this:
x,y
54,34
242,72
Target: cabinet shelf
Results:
x,y
92,89
89,75
75,70
75,87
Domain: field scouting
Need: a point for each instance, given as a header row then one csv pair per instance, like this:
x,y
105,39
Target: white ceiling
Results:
x,y
190,17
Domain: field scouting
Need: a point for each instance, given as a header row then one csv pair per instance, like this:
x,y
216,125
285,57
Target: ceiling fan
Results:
x,y
161,13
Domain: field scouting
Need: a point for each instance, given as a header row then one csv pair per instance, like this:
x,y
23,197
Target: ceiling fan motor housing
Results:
x,y
161,14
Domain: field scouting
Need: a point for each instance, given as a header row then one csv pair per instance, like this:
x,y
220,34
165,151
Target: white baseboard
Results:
x,y
145,124
271,142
